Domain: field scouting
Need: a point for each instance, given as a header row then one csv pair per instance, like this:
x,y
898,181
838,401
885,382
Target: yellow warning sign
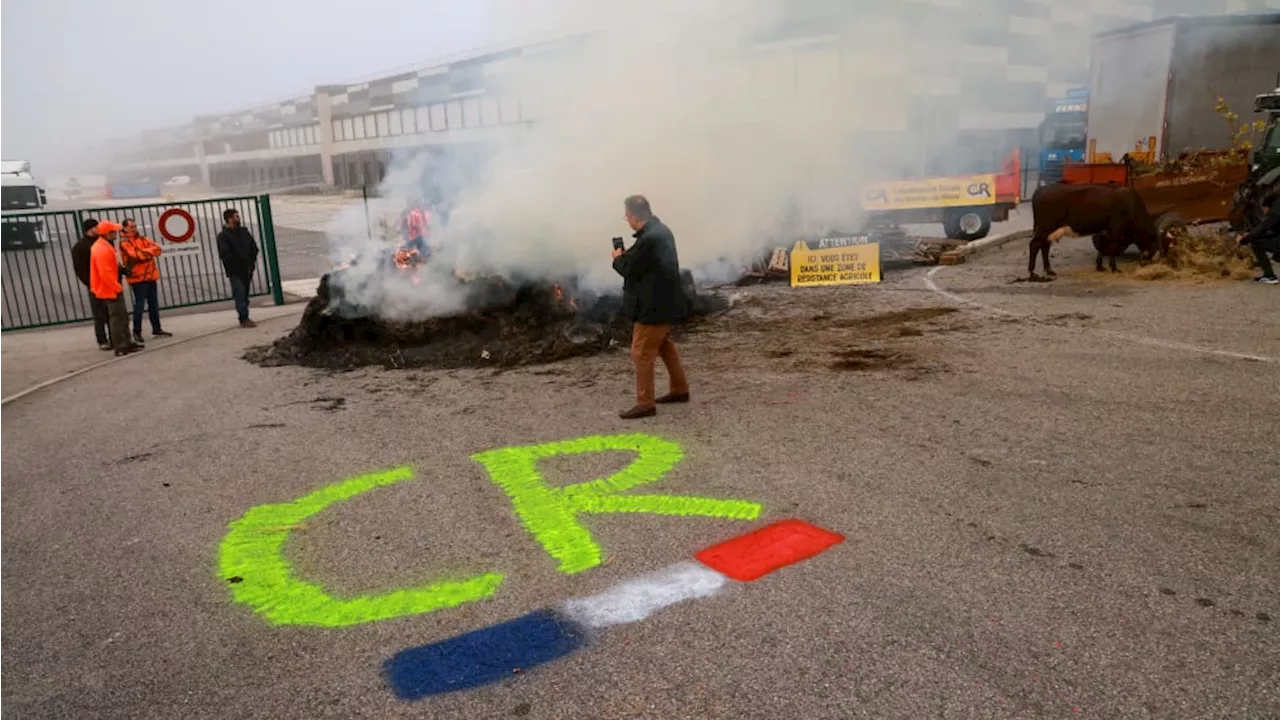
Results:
x,y
849,265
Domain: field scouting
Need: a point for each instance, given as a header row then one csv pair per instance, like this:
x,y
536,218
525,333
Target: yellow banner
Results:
x,y
930,193
849,265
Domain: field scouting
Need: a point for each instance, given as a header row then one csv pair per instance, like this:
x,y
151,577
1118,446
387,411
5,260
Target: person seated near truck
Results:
x,y
1264,239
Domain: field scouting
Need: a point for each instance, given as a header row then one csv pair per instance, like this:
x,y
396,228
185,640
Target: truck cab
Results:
x,y
1267,156
1062,134
20,194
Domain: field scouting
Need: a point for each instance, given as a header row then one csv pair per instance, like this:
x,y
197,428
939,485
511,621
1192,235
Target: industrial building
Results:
x,y
986,92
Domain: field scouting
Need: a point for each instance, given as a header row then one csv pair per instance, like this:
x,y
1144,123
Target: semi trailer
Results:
x,y
20,199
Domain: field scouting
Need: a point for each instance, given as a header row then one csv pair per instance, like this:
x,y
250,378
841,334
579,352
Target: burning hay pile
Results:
x,y
506,324
1201,254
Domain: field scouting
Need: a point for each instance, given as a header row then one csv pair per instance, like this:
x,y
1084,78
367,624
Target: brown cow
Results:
x,y
1116,217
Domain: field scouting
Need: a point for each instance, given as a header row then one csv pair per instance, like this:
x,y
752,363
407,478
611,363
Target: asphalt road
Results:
x,y
1045,515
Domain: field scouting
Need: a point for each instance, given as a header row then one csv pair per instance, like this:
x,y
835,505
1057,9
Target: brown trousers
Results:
x,y
649,342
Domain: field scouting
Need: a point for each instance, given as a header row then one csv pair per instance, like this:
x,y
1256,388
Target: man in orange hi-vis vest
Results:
x,y
139,254
104,283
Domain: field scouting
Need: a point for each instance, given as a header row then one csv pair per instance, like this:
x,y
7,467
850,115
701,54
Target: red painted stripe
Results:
x,y
760,552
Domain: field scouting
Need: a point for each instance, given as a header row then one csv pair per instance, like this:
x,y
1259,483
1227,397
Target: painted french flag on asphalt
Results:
x,y
500,651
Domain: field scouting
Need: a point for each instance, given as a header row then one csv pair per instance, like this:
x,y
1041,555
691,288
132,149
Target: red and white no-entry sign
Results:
x,y
176,225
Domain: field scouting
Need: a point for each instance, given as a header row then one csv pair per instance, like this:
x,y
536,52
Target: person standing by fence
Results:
x,y
104,282
143,275
239,254
81,254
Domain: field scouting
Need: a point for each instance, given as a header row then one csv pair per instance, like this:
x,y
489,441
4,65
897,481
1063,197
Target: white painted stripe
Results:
x,y
637,599
1154,342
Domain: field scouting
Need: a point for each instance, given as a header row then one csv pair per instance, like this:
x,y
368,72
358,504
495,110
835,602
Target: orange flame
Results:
x,y
406,259
564,298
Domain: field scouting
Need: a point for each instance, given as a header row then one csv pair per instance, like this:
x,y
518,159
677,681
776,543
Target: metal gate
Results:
x,y
39,281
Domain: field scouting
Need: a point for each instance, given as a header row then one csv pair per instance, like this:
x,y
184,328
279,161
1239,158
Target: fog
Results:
x,y
665,99
80,73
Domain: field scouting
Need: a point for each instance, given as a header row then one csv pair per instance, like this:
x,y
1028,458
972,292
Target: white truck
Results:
x,y
19,193
1154,86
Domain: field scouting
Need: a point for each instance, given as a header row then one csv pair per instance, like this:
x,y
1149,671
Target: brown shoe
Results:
x,y
248,324
673,398
638,412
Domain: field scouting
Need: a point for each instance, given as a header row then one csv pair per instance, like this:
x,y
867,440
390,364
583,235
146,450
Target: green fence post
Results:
x,y
269,240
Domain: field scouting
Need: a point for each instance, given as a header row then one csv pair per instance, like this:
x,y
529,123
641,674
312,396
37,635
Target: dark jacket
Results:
x,y
80,253
650,269
1267,232
238,251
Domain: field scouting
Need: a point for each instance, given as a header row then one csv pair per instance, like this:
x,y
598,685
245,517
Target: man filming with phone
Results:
x,y
653,299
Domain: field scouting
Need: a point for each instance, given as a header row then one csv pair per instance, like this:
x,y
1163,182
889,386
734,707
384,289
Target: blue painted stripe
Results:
x,y
483,656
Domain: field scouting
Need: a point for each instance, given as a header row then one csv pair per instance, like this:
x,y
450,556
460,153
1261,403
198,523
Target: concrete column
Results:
x,y
202,133
201,159
324,115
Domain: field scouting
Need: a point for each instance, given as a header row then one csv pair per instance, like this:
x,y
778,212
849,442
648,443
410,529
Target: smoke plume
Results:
x,y
738,142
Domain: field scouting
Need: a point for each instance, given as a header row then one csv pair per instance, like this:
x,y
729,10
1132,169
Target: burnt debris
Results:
x,y
509,324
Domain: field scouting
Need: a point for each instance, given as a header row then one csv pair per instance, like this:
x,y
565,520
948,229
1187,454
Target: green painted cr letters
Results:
x,y
551,514
251,558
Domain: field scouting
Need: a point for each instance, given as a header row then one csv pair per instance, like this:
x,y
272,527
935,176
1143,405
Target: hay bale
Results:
x,y
1200,254
1154,271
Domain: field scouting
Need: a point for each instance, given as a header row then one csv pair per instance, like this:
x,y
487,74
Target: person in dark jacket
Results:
x,y
1263,239
80,254
239,254
653,299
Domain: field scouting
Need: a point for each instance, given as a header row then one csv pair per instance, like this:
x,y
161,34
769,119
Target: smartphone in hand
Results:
x,y
617,243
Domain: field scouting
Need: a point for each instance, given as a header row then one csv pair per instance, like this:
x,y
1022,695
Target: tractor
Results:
x,y
1264,170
